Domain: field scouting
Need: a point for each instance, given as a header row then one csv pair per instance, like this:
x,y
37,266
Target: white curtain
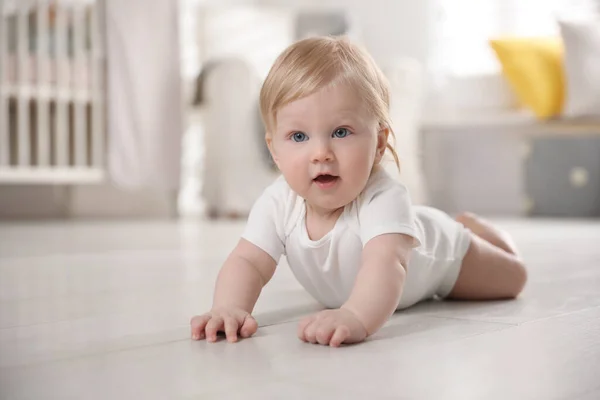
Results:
x,y
144,100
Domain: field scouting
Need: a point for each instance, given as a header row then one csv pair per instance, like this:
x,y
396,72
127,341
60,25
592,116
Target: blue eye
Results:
x,y
299,137
341,133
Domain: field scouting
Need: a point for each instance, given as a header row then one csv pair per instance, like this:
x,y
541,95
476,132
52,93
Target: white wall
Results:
x,y
393,28
390,28
32,202
85,201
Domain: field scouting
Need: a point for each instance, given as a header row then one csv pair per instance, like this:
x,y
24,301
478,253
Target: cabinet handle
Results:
x,y
578,177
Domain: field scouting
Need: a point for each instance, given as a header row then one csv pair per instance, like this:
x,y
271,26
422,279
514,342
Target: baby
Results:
x,y
348,229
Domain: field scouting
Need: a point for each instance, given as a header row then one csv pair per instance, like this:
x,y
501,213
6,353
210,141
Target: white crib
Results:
x,y
52,112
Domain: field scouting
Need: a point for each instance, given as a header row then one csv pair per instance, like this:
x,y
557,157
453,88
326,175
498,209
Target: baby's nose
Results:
x,y
322,152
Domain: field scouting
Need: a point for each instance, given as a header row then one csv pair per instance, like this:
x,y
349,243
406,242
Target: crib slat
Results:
x,y
79,75
62,86
24,85
43,57
96,76
4,143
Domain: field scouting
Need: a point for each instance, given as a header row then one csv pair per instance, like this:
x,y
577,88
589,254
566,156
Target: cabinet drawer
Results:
x,y
562,176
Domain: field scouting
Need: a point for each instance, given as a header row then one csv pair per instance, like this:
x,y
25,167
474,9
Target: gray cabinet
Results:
x,y
513,169
562,176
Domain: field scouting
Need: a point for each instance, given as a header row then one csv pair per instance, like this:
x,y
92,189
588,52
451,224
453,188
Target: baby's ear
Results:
x,y
269,141
382,141
385,131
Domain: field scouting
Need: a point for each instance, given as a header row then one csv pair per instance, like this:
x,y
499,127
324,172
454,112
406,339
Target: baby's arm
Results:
x,y
243,275
374,298
239,283
380,281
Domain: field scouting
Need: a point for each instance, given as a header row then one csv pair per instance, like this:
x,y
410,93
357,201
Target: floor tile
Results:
x,y
172,366
554,358
101,310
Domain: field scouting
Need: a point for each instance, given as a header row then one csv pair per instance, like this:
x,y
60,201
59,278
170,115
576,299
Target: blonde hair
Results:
x,y
314,63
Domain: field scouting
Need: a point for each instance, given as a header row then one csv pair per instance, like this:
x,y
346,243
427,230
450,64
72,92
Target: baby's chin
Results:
x,y
329,203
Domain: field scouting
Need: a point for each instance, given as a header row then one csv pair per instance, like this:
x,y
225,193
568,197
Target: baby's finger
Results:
x,y
302,327
341,334
212,327
324,333
311,331
231,327
198,323
249,327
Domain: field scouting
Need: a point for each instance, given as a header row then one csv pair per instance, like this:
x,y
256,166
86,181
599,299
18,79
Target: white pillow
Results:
x,y
581,39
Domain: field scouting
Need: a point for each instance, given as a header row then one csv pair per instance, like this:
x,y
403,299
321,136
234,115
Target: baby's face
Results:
x,y
326,145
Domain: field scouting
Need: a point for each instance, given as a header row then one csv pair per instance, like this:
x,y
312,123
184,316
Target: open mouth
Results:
x,y
326,180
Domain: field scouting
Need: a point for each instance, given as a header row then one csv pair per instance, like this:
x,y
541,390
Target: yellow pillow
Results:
x,y
534,69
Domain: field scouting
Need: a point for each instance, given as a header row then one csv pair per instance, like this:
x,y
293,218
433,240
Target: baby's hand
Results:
x,y
228,320
332,327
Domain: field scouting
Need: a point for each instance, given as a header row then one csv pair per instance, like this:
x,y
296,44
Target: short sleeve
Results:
x,y
386,208
264,225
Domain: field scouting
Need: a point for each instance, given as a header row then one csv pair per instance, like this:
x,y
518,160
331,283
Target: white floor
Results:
x,y
101,311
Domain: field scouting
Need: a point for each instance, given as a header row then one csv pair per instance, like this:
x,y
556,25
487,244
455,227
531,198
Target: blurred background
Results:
x,y
149,108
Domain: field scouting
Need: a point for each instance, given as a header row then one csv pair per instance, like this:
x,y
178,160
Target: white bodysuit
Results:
x,y
327,268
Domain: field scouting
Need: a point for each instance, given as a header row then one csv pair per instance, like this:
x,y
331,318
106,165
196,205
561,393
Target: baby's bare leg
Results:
x,y
491,268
